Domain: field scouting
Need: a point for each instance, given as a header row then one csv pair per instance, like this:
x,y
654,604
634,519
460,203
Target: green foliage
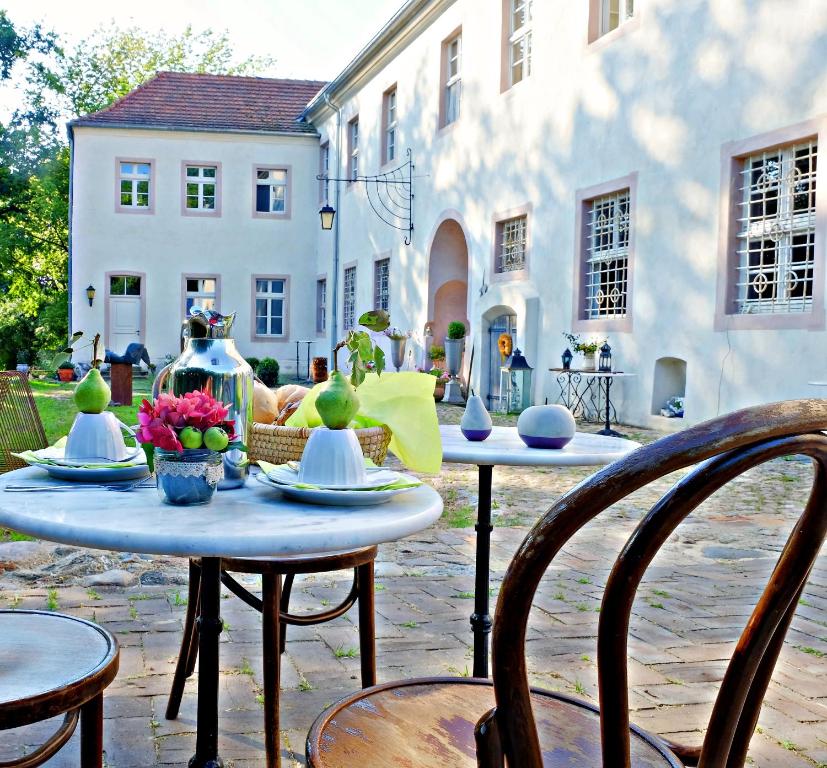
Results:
x,y
364,354
268,371
586,347
437,353
253,362
456,330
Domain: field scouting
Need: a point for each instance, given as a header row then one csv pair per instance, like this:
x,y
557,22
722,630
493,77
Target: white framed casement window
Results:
x,y
269,306
353,149
606,253
201,189
512,245
390,126
200,291
135,186
452,87
349,298
776,230
321,305
613,13
271,193
324,172
519,40
381,284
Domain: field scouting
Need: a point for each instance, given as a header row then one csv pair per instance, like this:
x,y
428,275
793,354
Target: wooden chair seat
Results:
x,y
429,723
52,664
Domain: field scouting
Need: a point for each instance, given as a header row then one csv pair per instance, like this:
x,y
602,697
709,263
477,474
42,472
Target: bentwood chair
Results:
x,y
20,425
431,722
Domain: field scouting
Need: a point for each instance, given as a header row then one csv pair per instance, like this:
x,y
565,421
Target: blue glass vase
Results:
x,y
188,478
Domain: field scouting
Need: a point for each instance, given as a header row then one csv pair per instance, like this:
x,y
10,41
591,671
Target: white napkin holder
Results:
x,y
98,436
332,457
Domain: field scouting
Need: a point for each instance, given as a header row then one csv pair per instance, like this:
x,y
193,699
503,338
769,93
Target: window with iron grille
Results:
x,y
270,306
607,255
390,125
453,79
519,40
134,184
381,284
349,298
321,306
201,187
512,240
776,218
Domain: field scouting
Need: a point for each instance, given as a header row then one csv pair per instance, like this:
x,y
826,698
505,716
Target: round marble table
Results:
x,y
505,448
253,521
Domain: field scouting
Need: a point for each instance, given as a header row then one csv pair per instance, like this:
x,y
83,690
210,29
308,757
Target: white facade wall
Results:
x,y
165,245
658,98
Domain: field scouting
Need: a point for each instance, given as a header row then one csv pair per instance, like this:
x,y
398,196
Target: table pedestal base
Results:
x,y
480,618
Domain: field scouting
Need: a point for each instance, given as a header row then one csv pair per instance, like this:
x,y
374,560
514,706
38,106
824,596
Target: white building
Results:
x,y
644,173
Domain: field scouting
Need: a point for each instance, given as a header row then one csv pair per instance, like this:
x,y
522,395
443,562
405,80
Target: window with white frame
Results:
x,y
453,79
776,222
606,250
381,284
353,148
271,306
349,299
519,40
321,305
512,243
271,190
613,13
324,172
200,292
201,187
390,124
134,184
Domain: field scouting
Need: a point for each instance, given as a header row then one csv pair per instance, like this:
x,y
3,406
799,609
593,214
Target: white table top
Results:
x,y
817,383
504,447
595,374
249,522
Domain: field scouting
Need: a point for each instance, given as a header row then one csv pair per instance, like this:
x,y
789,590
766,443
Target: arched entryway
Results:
x,y
495,321
447,278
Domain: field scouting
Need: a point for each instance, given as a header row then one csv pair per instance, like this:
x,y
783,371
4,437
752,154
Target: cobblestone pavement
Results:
x,y
686,619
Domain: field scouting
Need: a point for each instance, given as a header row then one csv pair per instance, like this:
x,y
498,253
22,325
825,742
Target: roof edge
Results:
x,y
82,122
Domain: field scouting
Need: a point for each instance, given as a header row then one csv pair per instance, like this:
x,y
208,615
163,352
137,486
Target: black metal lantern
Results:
x,y
515,384
605,362
326,214
567,358
90,294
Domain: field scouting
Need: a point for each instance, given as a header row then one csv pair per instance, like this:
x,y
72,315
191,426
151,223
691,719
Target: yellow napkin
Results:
x,y
402,401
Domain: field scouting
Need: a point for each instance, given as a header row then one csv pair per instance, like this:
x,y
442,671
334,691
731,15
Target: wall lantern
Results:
x,y
326,214
605,362
567,358
90,294
515,384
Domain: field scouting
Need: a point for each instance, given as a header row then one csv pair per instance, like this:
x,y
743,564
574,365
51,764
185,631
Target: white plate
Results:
x,y
289,476
96,474
334,498
134,453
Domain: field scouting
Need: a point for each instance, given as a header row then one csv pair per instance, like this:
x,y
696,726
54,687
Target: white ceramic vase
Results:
x,y
98,436
476,421
332,457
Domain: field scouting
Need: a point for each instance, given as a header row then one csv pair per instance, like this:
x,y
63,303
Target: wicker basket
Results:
x,y
280,444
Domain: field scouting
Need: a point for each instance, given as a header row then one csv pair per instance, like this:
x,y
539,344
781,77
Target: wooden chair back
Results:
x,y
722,449
20,425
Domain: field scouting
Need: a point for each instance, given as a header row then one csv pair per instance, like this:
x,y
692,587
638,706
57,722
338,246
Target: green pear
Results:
x,y
337,403
92,394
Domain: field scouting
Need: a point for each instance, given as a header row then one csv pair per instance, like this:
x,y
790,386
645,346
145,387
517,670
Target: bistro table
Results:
x,y
250,522
573,393
505,448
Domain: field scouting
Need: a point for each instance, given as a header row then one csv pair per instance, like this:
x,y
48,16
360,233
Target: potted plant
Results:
x,y
454,345
399,340
442,378
66,371
436,354
587,348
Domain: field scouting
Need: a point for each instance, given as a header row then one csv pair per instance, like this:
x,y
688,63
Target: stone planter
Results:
x,y
398,352
453,355
65,374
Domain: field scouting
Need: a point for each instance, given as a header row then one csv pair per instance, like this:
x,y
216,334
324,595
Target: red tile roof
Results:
x,y
181,100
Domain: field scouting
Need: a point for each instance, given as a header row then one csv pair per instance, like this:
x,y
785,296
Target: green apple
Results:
x,y
190,437
216,439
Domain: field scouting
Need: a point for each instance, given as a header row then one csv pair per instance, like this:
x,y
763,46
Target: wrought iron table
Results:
x,y
248,522
505,448
576,385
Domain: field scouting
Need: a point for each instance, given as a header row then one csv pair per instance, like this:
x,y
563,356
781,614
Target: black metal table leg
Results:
x,y
480,618
607,429
209,630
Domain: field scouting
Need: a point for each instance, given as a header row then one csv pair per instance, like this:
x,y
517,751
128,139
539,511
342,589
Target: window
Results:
x,y
201,189
511,245
390,125
321,305
353,148
324,172
270,306
200,292
124,285
349,297
381,285
518,44
613,13
606,250
134,185
775,232
272,191
452,83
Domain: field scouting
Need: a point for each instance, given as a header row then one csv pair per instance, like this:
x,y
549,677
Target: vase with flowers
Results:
x,y
184,437
587,348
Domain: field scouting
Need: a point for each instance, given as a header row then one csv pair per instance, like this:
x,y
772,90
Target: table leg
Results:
x,y
480,618
607,429
209,630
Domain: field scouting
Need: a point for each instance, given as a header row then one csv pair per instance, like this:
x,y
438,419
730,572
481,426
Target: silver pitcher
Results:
x,y
210,361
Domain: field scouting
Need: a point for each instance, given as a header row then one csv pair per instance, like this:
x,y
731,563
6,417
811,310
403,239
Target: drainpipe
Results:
x,y
69,235
334,329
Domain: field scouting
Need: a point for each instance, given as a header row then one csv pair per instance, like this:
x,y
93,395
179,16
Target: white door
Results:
x,y
125,305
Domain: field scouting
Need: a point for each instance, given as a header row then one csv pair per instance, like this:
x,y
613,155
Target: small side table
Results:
x,y
574,395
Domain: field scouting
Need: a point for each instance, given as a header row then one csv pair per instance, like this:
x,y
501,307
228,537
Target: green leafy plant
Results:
x,y
253,362
365,356
437,353
456,330
268,371
586,347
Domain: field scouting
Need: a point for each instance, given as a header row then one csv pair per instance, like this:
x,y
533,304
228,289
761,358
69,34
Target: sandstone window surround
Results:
x,y
321,305
610,19
324,171
771,253
200,189
381,283
272,192
201,290
605,223
517,42
390,125
135,185
511,244
353,149
349,298
270,307
451,79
